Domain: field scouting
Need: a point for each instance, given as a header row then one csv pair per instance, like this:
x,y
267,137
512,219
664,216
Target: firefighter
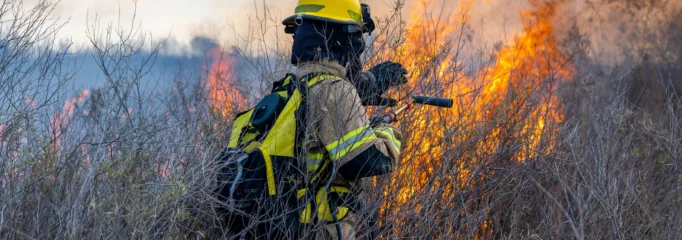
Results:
x,y
342,147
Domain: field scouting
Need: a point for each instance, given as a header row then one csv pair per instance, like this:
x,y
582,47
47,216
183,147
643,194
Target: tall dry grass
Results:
x,y
126,163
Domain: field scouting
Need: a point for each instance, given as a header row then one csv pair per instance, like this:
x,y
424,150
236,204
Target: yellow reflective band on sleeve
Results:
x,y
314,160
388,133
317,175
350,142
270,175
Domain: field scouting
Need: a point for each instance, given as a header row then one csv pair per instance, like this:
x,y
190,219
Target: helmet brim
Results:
x,y
290,21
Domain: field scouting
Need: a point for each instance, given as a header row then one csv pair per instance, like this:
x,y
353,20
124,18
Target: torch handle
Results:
x,y
391,116
425,100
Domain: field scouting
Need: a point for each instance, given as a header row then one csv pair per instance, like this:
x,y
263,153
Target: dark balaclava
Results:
x,y
317,40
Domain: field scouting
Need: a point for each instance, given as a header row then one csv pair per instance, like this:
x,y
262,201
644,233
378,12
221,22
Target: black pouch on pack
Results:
x,y
241,180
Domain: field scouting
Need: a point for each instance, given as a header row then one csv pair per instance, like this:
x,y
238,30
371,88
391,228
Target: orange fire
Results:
x,y
223,93
501,111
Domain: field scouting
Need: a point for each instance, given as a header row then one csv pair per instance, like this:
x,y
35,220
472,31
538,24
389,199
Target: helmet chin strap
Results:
x,y
368,24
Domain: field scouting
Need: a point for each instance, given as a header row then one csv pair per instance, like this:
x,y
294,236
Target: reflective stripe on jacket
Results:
x,y
339,129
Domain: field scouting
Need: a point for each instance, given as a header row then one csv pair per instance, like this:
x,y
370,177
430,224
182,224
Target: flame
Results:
x,y
525,68
61,120
506,105
222,88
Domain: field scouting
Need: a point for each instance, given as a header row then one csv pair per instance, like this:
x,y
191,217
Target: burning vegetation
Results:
x,y
221,84
546,139
505,112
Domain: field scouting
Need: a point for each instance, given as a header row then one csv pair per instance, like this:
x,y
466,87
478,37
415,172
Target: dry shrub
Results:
x,y
126,163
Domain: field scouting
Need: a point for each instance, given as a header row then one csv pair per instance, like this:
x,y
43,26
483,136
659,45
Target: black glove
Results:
x,y
373,83
389,74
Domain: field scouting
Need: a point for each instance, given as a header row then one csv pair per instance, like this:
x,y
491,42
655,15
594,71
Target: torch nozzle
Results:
x,y
433,101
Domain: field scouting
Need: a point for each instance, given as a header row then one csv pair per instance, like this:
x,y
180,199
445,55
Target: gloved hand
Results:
x,y
373,83
388,74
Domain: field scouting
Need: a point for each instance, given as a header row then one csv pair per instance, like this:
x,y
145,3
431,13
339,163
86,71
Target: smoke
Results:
x,y
616,31
621,30
610,25
496,21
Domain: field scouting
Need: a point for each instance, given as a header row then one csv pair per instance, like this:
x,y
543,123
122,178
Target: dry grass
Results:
x,y
124,164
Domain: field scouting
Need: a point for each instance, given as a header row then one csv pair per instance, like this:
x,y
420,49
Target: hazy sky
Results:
x,y
182,19
217,21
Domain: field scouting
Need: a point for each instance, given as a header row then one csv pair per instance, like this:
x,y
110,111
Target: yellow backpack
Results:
x,y
261,161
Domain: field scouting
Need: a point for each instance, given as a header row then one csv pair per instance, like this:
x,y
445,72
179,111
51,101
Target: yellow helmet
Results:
x,y
347,12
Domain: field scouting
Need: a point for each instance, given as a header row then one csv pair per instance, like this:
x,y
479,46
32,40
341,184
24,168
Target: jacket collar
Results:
x,y
329,67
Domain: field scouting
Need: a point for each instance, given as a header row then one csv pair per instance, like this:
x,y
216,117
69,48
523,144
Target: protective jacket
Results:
x,y
340,132
342,146
303,146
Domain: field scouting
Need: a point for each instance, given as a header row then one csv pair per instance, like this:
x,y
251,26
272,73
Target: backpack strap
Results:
x,y
303,85
281,85
291,81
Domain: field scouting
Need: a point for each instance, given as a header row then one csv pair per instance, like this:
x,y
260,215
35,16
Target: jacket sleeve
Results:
x,y
356,149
